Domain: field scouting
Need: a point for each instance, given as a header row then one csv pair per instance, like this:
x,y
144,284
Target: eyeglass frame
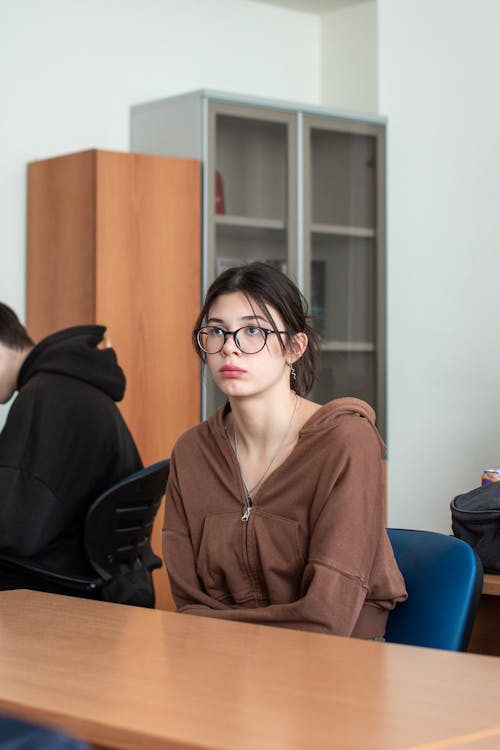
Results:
x,y
267,332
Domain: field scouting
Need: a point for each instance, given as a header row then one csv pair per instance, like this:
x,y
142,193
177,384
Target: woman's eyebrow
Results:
x,y
243,318
254,317
215,320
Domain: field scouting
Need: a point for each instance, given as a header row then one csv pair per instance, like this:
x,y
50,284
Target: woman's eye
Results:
x,y
253,331
215,332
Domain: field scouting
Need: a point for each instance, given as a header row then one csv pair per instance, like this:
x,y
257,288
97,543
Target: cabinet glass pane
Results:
x,y
251,159
343,264
252,194
346,374
236,245
343,178
343,288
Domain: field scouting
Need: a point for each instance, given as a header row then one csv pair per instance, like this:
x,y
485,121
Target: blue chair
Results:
x,y
444,578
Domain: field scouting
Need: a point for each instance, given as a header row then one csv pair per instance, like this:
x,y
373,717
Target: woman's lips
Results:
x,y
231,371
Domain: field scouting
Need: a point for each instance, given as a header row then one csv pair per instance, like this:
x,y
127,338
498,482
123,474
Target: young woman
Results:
x,y
274,508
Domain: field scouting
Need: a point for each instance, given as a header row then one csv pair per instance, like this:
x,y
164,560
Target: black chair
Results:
x,y
117,539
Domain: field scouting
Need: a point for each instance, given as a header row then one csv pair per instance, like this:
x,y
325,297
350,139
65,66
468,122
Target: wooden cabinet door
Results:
x,y
114,239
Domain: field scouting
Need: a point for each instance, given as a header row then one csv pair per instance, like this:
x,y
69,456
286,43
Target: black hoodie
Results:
x,y
64,442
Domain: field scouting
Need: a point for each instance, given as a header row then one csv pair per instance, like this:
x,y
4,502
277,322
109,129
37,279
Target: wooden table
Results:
x,y
126,677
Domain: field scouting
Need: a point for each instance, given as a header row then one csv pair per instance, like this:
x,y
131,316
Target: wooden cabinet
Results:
x,y
302,188
114,239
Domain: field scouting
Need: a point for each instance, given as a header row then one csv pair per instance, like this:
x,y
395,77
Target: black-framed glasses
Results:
x,y
248,339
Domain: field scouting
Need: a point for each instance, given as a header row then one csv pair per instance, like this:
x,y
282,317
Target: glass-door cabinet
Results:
x,y
344,258
301,188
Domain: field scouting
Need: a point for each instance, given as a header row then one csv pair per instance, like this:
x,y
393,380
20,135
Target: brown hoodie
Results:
x,y
313,555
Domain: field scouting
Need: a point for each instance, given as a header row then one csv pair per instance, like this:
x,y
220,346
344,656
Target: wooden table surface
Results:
x,y
127,677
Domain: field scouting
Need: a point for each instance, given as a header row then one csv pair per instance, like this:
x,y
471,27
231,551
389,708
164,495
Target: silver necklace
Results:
x,y
271,462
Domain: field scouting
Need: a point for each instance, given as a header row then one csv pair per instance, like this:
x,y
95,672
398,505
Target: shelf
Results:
x,y
241,229
347,346
343,231
248,222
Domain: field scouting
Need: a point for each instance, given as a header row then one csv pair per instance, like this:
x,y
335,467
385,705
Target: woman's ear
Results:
x,y
298,345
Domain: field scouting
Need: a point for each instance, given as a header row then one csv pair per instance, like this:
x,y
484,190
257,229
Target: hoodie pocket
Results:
x,y
220,563
251,564
278,555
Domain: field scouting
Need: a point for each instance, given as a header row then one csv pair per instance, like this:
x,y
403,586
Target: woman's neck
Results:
x,y
264,441
261,421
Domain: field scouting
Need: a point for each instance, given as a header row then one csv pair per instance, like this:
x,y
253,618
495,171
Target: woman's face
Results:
x,y
235,372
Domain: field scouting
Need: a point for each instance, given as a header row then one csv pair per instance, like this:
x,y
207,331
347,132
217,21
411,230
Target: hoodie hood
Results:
x,y
325,417
328,416
73,352
328,413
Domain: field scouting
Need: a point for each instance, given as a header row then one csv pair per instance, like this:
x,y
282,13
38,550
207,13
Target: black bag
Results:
x,y
475,518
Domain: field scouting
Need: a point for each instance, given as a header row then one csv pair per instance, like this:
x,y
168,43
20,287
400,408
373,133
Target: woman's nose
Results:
x,y
230,345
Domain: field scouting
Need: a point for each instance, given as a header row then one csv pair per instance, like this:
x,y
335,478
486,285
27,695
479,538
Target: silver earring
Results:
x,y
293,373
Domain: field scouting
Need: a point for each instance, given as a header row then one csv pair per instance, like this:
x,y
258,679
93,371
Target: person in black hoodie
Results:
x,y
63,444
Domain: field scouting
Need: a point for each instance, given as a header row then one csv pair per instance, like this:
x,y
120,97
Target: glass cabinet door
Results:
x,y
251,193
344,256
251,187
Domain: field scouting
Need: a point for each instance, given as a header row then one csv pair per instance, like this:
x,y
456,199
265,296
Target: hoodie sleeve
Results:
x,y
179,555
347,543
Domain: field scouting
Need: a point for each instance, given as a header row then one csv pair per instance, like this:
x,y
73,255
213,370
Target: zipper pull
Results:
x,y
246,514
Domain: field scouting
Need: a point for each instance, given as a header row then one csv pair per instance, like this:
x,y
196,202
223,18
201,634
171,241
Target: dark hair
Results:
x,y
12,333
266,285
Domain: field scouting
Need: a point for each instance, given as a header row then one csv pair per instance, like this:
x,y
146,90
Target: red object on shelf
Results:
x,y
220,207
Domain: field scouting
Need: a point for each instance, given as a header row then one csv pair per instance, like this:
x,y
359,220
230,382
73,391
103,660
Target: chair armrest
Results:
x,y
28,566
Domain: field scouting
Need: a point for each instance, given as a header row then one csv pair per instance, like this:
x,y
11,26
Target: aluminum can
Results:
x,y
490,475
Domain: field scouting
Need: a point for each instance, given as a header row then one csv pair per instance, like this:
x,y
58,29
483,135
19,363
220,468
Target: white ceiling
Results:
x,y
313,6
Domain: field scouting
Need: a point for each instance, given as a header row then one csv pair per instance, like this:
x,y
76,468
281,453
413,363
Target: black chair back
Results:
x,y
119,523
118,535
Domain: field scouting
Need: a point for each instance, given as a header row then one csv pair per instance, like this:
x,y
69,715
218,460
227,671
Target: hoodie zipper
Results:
x,y
246,514
245,519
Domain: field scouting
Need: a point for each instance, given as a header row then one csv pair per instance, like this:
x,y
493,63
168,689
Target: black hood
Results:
x,y
73,352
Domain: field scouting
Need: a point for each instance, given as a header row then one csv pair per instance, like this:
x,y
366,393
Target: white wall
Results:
x,y
349,58
438,85
70,69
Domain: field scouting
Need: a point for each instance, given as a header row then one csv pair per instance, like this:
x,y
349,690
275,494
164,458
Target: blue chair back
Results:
x,y
444,578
